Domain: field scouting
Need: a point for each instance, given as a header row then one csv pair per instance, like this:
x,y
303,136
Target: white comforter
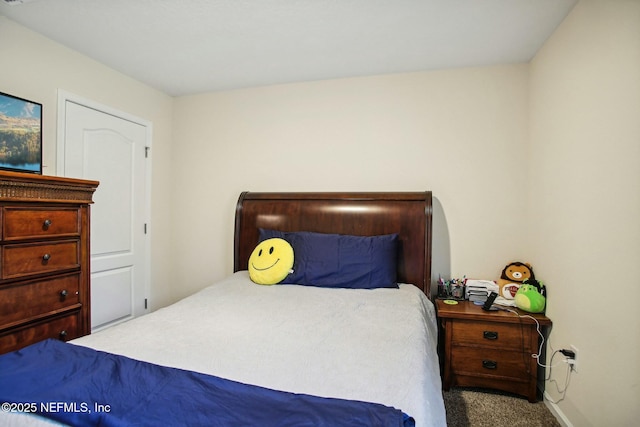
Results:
x,y
371,345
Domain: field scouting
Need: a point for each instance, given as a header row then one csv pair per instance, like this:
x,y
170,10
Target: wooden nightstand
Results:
x,y
489,349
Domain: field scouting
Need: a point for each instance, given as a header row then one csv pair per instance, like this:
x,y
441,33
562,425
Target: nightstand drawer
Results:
x,y
29,223
31,300
484,361
30,258
491,334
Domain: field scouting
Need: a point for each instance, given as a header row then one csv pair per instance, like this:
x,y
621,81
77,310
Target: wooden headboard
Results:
x,y
363,214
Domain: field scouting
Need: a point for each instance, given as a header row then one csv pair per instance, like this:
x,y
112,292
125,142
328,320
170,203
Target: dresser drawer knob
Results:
x,y
489,364
46,257
63,335
490,335
46,224
63,294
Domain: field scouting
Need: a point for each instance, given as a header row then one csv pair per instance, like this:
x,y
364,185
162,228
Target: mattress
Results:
x,y
360,344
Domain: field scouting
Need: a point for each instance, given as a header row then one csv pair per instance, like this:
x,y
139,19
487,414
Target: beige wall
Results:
x,y
35,68
459,133
584,205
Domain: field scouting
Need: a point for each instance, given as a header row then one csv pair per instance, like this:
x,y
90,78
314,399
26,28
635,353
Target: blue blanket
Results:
x,y
84,387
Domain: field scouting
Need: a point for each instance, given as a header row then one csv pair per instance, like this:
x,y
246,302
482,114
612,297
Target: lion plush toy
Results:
x,y
512,277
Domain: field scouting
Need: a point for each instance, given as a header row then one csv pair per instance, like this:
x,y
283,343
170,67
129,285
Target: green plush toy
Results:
x,y
271,261
531,296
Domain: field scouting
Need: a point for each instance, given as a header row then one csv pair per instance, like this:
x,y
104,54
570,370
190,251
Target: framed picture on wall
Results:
x,y
20,134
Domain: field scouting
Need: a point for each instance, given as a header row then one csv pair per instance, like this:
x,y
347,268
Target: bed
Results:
x,y
355,353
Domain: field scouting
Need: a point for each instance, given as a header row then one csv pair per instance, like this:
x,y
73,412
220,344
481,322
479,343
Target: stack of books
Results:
x,y
479,290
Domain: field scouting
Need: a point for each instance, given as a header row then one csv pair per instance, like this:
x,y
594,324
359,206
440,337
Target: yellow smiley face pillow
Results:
x,y
271,261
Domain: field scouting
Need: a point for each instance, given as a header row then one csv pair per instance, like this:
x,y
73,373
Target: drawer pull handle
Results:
x,y
63,294
489,364
46,257
490,335
63,335
46,224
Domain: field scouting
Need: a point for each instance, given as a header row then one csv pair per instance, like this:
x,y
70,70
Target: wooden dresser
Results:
x,y
44,251
490,349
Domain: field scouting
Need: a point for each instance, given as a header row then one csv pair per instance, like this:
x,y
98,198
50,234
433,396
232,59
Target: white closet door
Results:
x,y
102,146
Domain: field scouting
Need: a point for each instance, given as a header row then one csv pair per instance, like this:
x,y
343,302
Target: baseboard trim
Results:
x,y
556,411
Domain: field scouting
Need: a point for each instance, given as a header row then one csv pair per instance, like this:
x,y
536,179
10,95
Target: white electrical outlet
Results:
x,y
574,365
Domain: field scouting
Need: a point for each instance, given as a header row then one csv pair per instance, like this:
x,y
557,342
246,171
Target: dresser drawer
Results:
x,y
35,258
491,334
64,328
23,302
29,223
486,361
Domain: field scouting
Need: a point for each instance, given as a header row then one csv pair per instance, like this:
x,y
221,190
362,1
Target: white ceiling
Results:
x,y
191,46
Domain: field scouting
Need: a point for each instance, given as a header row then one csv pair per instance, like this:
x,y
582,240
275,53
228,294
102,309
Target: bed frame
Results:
x,y
362,214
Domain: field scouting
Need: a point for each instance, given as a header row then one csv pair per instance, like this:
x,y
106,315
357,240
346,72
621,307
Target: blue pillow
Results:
x,y
340,261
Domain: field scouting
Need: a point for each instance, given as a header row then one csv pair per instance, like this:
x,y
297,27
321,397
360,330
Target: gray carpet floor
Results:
x,y
467,407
